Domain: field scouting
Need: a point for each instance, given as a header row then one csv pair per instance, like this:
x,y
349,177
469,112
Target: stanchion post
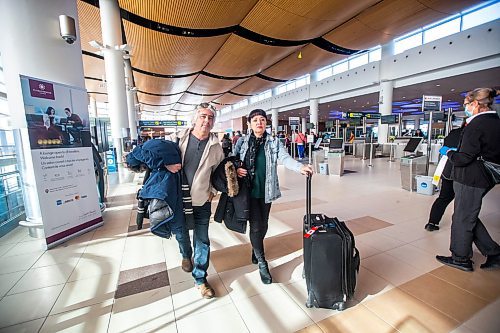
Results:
x,y
391,154
310,152
371,154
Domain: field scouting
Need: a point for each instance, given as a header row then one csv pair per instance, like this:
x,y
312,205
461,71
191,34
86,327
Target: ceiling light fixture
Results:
x,y
299,56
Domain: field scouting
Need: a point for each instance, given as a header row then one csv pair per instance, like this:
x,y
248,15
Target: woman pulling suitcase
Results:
x,y
260,154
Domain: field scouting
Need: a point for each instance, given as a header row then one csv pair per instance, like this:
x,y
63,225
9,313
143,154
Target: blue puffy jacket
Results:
x,y
162,185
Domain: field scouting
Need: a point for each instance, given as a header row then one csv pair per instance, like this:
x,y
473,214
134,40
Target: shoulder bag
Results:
x,y
492,169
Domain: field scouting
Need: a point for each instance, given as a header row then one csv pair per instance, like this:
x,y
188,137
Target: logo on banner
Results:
x,y
41,89
59,202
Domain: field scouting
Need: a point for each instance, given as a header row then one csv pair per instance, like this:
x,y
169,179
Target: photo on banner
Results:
x,y
58,125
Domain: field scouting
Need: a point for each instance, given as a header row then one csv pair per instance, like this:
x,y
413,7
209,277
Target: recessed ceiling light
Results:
x,y
404,97
438,85
452,89
354,101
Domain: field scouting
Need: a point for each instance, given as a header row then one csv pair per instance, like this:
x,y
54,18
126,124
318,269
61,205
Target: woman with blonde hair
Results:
x,y
471,182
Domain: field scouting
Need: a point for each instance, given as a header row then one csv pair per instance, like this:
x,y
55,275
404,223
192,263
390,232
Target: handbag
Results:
x,y
492,169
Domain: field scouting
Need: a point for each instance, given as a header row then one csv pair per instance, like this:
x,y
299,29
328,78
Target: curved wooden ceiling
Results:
x,y
190,51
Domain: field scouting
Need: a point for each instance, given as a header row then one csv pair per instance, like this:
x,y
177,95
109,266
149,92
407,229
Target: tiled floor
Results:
x,y
118,279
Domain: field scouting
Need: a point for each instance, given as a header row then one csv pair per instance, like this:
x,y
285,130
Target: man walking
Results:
x,y
201,154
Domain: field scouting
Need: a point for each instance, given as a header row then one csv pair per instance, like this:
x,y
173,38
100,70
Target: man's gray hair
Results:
x,y
202,106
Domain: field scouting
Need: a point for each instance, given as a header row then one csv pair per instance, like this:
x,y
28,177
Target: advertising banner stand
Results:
x,y
59,138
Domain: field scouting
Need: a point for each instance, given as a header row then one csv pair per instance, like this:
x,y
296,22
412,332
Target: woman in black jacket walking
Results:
x,y
471,182
446,194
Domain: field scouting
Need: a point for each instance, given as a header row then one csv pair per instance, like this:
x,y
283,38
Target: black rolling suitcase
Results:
x,y
331,260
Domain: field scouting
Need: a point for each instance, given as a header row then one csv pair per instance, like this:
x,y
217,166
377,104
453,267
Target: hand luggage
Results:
x,y
331,260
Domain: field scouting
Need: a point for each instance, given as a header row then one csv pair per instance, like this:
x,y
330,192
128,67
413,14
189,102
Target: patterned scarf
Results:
x,y
253,145
187,201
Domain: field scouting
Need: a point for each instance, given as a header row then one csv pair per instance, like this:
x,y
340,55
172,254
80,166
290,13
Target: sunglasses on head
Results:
x,y
206,106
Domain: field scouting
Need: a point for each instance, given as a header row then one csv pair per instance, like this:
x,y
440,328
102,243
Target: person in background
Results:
x,y
351,138
227,145
51,112
76,122
446,194
201,153
471,182
288,143
419,133
260,153
300,140
236,137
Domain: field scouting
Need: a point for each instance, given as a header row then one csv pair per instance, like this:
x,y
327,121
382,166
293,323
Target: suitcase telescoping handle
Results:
x,y
308,201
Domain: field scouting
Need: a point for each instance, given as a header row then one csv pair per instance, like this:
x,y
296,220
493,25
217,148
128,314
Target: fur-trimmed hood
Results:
x,y
225,178
234,204
232,179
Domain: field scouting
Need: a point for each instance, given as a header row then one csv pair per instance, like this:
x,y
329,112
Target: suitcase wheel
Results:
x,y
309,305
339,306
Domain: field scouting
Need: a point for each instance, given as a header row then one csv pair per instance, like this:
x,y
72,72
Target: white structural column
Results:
x,y
274,120
417,123
385,108
31,45
303,128
131,101
115,73
93,107
313,111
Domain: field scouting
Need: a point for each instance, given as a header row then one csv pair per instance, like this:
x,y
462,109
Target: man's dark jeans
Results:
x,y
200,240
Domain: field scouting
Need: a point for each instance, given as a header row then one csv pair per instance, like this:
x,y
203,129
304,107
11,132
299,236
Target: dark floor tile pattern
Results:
x,y
142,279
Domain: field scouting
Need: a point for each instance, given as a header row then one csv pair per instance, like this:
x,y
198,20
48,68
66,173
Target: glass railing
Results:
x,y
11,197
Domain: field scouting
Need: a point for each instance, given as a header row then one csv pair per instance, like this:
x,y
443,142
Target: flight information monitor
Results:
x,y
412,145
336,144
389,119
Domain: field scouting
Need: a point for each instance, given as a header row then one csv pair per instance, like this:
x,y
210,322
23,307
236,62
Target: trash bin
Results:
x,y
318,157
323,168
336,163
424,185
410,167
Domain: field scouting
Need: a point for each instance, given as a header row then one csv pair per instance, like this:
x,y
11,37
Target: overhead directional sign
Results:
x,y
293,121
431,103
352,114
162,123
372,115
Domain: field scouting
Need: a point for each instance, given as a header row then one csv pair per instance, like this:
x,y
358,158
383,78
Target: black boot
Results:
x,y
431,226
254,258
265,275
